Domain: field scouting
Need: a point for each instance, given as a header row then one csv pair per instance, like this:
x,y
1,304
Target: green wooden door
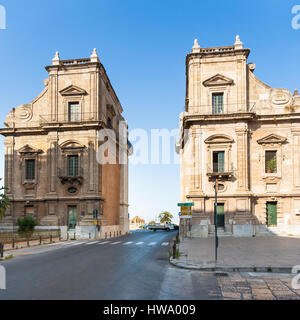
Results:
x,y
72,217
271,213
220,215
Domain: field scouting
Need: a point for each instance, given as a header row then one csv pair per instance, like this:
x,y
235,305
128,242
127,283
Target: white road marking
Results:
x,y
139,243
77,243
113,243
165,244
151,243
104,242
89,243
126,243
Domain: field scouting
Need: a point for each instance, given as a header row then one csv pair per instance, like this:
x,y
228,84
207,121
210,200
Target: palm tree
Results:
x,y
165,217
152,222
4,203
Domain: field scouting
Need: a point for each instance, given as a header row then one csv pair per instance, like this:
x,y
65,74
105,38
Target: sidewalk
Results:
x,y
261,254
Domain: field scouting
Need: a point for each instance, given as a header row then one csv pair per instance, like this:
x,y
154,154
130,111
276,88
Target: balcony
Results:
x,y
66,178
224,172
82,118
225,109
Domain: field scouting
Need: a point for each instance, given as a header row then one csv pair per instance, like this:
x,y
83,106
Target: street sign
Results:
x,y
186,212
188,204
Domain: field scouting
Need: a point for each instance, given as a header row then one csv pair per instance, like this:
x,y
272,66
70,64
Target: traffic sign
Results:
x,y
188,204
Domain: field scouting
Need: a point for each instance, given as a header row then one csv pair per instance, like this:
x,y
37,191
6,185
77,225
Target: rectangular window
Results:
x,y
217,103
72,166
30,169
73,111
218,161
271,162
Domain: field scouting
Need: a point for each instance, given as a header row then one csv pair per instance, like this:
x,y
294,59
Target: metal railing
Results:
x,y
225,109
17,239
66,118
220,169
63,172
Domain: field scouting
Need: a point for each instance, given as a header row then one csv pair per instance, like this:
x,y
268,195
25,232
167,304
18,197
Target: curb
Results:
x,y
220,268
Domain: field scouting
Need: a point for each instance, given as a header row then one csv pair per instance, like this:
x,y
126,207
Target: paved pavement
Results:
x,y
242,252
134,267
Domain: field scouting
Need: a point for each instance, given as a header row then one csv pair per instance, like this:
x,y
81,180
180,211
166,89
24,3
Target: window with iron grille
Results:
x,y
218,161
271,162
217,103
73,111
30,169
72,166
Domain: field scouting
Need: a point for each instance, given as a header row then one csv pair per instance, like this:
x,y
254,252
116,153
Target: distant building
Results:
x,y
136,222
51,170
247,135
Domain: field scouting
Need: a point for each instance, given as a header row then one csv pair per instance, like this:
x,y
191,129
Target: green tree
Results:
x,y
165,217
4,203
27,224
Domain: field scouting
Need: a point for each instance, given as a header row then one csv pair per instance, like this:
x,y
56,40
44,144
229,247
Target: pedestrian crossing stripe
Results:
x,y
139,243
89,243
165,244
151,243
126,243
113,243
77,243
105,242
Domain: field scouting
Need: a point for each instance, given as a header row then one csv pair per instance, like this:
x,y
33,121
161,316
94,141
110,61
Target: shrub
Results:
x,y
27,224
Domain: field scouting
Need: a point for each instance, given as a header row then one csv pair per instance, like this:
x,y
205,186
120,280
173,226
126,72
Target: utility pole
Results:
x,y
215,218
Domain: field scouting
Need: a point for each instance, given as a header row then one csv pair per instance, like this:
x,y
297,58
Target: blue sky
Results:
x,y
142,45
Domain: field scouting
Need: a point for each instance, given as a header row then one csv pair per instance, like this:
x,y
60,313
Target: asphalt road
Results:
x,y
132,267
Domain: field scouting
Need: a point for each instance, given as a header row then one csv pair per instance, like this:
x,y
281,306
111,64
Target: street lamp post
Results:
x,y
215,218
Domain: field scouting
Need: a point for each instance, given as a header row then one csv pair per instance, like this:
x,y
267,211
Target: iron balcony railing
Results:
x,y
67,118
214,170
64,172
225,109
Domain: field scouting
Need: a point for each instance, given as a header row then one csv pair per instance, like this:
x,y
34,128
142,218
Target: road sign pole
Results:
x,y
215,217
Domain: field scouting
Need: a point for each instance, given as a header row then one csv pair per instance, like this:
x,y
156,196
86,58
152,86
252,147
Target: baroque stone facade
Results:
x,y
51,144
240,131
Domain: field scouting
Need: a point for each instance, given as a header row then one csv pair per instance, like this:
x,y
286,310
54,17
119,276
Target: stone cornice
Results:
x,y
217,52
43,130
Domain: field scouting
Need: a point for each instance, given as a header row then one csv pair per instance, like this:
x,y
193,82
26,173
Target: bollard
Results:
x,y
74,235
105,235
1,249
174,250
114,233
89,235
27,242
67,235
51,238
59,236
110,234
13,243
40,239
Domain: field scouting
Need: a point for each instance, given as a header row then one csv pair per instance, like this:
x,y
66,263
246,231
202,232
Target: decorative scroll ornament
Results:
x,y
23,113
281,97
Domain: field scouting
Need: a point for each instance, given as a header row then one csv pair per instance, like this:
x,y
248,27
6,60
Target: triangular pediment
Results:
x,y
219,138
218,80
72,91
29,149
272,138
71,145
